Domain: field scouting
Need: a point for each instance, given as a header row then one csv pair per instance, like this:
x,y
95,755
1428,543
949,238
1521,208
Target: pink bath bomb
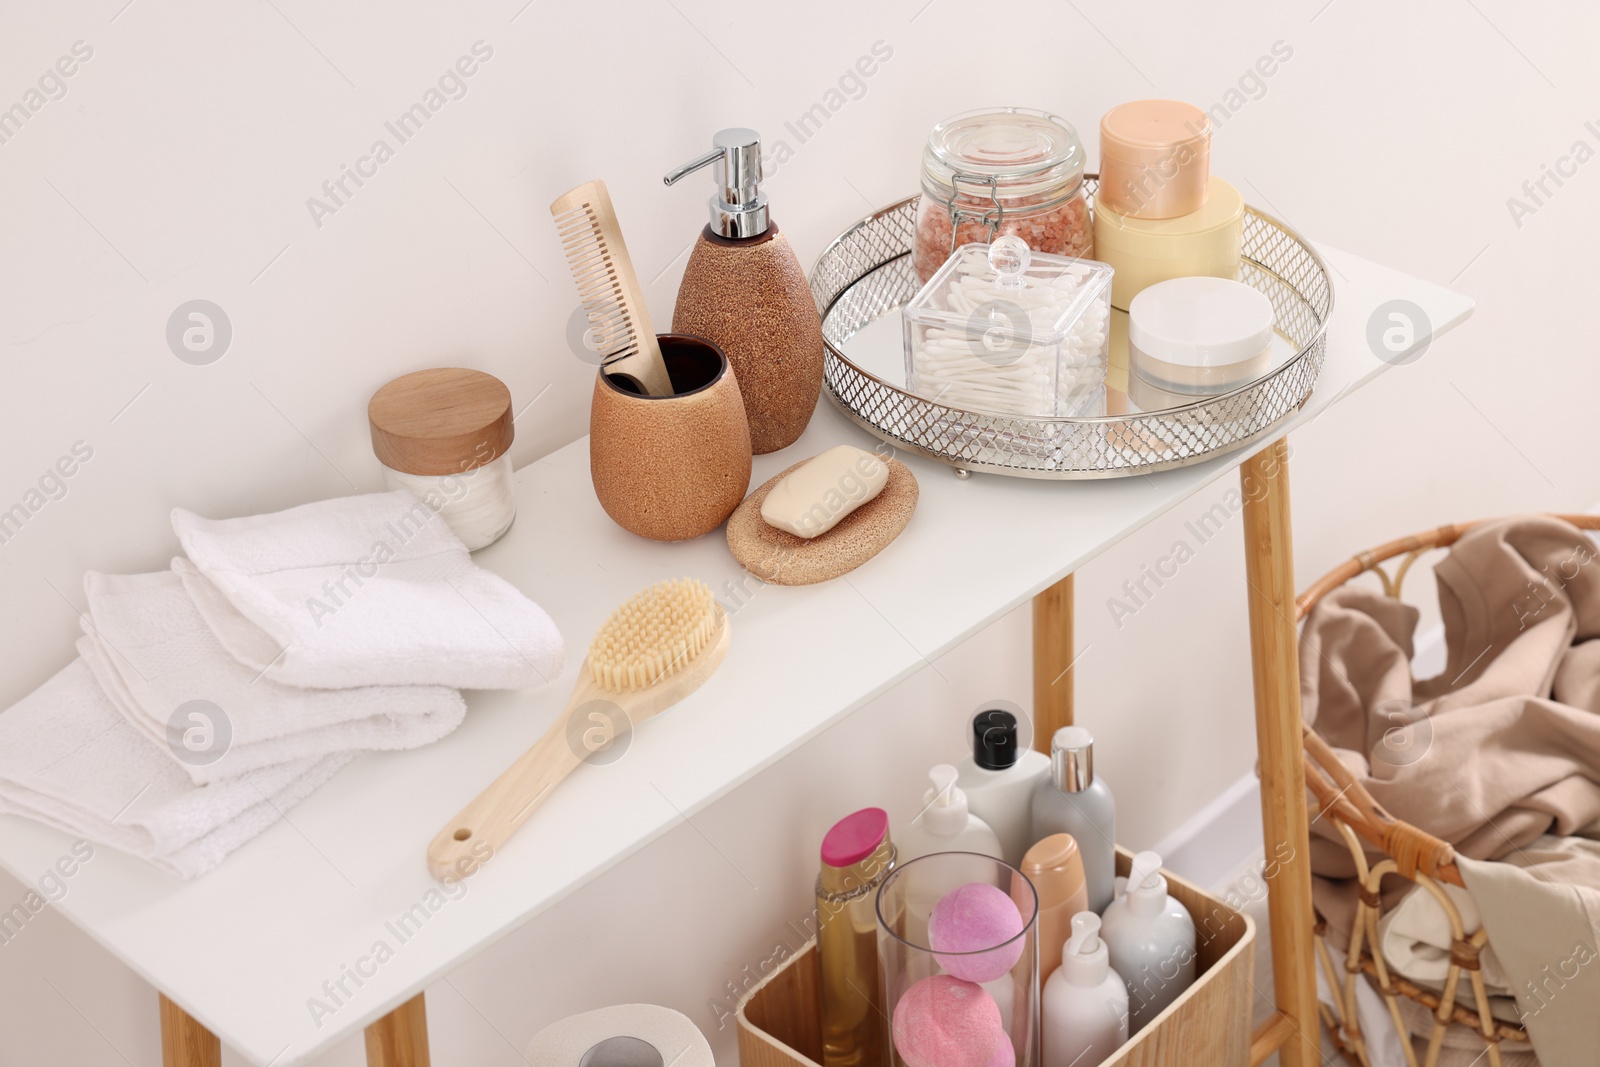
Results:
x,y
970,919
1005,1054
945,1022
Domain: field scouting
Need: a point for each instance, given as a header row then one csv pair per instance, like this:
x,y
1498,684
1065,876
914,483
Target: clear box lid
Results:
x,y
1003,329
1007,294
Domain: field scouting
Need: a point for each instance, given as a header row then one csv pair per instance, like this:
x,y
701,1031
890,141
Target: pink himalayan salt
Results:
x,y
1064,230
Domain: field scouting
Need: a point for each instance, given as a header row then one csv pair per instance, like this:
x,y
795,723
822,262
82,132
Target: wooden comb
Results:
x,y
609,289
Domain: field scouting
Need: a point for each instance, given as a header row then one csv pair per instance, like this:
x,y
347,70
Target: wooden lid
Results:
x,y
441,421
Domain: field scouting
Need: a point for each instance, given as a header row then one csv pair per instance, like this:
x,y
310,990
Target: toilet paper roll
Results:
x,y
670,1033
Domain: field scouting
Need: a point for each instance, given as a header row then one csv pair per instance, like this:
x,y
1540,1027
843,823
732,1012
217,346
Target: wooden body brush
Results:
x,y
651,653
592,240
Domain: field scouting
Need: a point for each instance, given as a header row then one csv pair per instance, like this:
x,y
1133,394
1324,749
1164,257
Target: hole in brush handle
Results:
x,y
463,834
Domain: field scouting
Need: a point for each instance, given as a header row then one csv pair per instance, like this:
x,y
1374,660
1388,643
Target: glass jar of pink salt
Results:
x,y
1001,171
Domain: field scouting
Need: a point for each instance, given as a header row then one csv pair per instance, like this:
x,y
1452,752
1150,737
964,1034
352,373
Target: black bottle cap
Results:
x,y
994,739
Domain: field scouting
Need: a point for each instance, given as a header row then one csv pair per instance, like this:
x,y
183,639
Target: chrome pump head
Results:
x,y
739,209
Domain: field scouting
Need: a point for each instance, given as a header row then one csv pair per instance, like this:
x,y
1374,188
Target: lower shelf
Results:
x,y
780,1022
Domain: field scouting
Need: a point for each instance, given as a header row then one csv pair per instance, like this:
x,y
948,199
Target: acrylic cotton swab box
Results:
x,y
1003,329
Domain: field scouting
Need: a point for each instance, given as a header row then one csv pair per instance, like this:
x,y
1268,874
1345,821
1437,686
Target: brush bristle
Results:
x,y
654,635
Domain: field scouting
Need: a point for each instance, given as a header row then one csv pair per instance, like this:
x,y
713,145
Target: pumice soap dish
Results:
x,y
779,557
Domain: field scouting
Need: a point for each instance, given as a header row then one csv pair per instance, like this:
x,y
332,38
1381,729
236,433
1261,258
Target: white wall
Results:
x,y
178,164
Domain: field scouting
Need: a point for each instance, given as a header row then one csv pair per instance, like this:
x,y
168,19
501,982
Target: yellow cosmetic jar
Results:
x,y
1146,251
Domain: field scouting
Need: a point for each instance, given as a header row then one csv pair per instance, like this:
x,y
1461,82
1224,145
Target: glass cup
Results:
x,y
982,972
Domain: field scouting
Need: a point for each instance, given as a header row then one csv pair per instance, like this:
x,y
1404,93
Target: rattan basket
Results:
x,y
1410,853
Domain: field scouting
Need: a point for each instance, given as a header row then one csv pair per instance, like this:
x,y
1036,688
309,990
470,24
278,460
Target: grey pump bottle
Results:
x,y
1073,801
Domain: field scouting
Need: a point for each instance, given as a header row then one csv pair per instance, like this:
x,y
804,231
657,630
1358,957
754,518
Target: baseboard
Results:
x,y
1210,847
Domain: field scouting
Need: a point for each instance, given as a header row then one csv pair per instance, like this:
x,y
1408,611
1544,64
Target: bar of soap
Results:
x,y
815,497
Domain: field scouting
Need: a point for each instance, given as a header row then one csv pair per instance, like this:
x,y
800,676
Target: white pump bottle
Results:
x,y
1085,1002
944,824
1151,938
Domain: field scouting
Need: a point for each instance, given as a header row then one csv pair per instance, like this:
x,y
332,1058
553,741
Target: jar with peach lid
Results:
x,y
1001,171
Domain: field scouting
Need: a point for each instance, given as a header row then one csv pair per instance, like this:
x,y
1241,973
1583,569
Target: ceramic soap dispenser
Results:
x,y
744,291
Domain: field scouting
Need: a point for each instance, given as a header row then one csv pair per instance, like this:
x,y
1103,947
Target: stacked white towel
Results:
x,y
69,759
363,590
152,654
292,642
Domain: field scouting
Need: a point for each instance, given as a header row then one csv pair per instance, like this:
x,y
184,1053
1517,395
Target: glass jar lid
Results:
x,y
1020,153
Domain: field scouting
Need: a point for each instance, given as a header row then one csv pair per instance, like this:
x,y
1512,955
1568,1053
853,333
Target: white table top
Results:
x,y
244,948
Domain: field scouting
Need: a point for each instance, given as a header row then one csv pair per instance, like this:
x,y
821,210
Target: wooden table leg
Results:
x,y
184,1042
1269,569
1052,662
400,1039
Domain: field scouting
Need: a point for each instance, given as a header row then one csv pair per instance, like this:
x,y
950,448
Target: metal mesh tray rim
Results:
x,y
864,273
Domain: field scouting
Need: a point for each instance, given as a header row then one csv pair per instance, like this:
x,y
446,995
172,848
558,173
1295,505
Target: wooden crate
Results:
x,y
780,1021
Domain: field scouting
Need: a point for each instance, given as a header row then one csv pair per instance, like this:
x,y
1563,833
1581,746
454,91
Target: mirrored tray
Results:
x,y
865,276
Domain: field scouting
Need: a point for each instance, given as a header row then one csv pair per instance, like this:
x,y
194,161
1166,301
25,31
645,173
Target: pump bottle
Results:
x,y
945,824
1151,939
744,291
1084,1006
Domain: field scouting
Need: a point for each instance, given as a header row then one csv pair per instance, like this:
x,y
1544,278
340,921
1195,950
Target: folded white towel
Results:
x,y
70,760
152,653
362,590
1416,939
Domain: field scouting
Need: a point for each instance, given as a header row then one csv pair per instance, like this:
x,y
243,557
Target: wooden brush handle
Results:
x,y
472,837
484,825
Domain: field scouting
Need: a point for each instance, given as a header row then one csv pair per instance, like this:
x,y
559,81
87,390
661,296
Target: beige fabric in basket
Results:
x,y
1462,1047
1500,749
1504,746
1542,910
1415,937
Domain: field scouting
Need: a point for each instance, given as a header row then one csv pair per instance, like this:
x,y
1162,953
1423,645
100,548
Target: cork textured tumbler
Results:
x,y
671,467
744,290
